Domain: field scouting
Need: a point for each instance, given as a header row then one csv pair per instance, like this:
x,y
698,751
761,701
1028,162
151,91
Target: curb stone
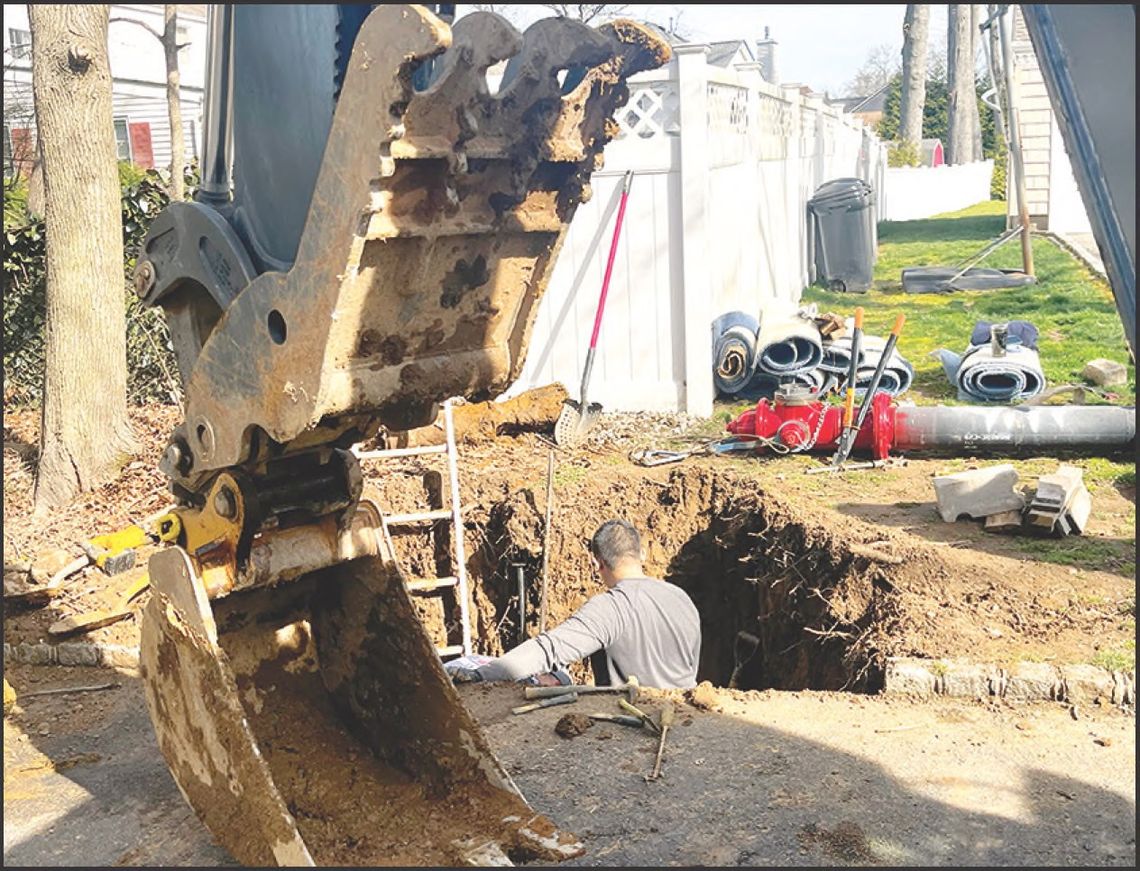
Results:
x,y
73,653
1025,682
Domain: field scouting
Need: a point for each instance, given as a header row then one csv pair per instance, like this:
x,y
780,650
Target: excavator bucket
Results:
x,y
313,724
299,703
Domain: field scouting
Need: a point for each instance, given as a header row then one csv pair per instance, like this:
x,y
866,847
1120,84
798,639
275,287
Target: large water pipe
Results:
x,y
941,428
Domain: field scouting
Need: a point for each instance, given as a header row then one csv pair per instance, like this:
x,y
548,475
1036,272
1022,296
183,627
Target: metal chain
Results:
x,y
818,428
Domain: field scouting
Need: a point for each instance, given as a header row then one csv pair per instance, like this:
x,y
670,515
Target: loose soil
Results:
x,y
831,576
771,778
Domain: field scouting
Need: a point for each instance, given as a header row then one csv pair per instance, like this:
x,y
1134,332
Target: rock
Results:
x,y
1106,373
572,725
16,571
9,697
48,563
703,696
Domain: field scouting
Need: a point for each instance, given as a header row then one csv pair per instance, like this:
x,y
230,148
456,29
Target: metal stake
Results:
x,y
520,575
546,543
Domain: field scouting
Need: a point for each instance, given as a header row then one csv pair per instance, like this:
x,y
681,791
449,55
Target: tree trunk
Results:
x,y
35,204
916,38
975,116
960,85
85,435
173,100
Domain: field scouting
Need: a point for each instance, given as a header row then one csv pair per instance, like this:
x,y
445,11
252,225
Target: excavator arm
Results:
x,y
301,707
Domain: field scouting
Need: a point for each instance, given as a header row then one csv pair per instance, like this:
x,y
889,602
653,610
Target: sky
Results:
x,y
822,46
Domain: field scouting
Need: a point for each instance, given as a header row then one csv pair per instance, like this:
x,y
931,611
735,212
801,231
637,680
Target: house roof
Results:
x,y
722,53
875,102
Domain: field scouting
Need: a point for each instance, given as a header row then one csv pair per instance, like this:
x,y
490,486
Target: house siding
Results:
x,y
138,90
1048,174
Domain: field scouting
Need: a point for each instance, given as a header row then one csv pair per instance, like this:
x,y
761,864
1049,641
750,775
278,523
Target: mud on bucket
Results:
x,y
312,723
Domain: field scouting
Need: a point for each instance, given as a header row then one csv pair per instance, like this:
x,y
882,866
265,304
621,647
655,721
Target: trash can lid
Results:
x,y
841,193
841,188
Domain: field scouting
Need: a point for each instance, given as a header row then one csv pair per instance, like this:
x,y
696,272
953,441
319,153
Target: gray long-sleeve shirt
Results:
x,y
647,628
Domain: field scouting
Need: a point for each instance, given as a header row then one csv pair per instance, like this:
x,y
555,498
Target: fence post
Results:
x,y
692,72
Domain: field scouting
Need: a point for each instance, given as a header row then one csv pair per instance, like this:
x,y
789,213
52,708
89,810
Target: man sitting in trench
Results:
x,y
639,626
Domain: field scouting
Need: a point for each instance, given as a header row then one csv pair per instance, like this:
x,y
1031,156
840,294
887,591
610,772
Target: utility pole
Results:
x,y
1004,26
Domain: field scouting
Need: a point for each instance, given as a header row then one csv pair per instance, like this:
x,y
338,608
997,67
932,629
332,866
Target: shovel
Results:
x,y
577,418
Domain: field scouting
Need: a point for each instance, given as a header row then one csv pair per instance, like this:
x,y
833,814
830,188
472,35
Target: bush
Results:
x,y
903,154
151,370
15,201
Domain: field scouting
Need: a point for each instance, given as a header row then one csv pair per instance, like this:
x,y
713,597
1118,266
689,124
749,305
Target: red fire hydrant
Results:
x,y
797,425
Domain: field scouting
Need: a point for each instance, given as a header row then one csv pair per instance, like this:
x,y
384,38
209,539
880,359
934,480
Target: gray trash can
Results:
x,y
844,234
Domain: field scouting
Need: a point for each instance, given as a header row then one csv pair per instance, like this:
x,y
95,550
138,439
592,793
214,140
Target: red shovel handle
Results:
x,y
610,262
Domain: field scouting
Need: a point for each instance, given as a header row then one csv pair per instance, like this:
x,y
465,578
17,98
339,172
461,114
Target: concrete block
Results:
x,y
1083,683
1006,520
978,493
78,654
1079,510
966,681
31,654
1124,688
1057,495
1033,682
1106,373
120,656
908,677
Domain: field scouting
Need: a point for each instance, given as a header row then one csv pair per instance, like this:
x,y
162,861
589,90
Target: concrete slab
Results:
x,y
978,493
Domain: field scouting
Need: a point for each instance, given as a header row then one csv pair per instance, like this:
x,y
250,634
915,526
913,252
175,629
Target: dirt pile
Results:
x,y
792,594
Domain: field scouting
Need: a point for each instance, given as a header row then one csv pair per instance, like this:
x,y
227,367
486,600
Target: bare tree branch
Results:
x,y
587,12
141,24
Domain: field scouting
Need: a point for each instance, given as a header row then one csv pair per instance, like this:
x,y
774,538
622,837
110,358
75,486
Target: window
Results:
x,y
7,151
123,138
20,42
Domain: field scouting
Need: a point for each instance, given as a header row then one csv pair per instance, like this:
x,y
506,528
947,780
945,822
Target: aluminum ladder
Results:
x,y
458,580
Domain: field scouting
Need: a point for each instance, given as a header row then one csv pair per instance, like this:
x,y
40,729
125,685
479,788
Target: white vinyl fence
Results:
x,y
916,192
716,221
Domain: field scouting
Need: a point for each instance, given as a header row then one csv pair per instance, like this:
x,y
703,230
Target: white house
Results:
x,y
1051,190
138,70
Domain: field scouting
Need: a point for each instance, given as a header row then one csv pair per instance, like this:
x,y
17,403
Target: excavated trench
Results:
x,y
784,602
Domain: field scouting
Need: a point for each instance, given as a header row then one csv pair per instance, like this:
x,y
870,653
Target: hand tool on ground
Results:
x,y
887,463
577,418
725,445
849,434
629,688
620,719
76,623
848,437
666,722
115,552
546,703
640,714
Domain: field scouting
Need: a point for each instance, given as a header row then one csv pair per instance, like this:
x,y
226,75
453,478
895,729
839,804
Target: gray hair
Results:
x,y
615,541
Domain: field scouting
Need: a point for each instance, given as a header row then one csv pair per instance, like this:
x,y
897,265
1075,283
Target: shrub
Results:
x,y
151,370
903,154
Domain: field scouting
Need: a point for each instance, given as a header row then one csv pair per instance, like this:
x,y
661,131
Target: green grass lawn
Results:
x,y
1071,307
